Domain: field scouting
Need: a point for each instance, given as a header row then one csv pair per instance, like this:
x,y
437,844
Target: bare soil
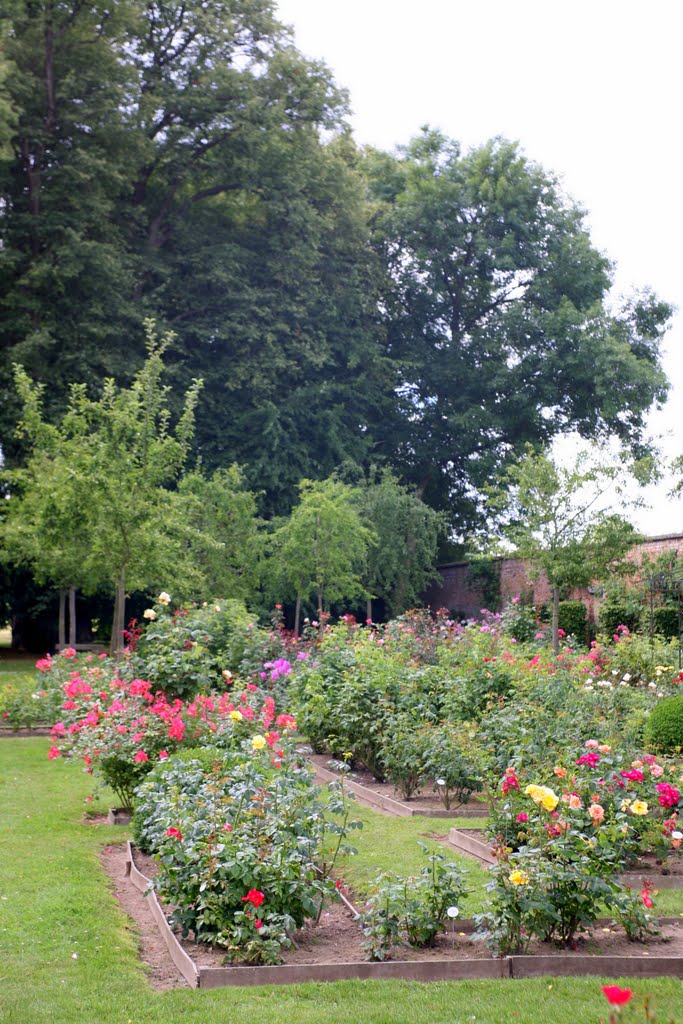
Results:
x,y
338,937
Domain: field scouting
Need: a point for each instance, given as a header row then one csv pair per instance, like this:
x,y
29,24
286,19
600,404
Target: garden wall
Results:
x,y
457,592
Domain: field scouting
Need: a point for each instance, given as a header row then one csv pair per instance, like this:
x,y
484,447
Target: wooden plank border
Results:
x,y
555,965
398,808
180,958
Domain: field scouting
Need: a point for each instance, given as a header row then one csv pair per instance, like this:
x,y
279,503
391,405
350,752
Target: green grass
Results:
x,y
55,901
392,844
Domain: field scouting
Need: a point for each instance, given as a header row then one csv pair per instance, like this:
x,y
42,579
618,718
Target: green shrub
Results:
x,y
573,619
624,610
664,729
187,651
238,843
666,622
411,911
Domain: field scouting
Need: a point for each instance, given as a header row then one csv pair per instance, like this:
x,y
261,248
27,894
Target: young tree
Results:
x,y
123,459
321,549
402,561
46,526
219,531
563,520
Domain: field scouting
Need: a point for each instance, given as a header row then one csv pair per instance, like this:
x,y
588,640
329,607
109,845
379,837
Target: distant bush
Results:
x,y
666,622
573,619
664,729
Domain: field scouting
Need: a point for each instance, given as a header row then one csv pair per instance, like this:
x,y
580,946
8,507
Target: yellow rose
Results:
x,y
518,877
543,796
258,742
236,716
639,807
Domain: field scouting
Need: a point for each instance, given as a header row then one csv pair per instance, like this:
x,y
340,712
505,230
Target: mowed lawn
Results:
x,y
68,954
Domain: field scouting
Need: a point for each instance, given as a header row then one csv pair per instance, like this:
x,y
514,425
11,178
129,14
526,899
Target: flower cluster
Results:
x,y
120,728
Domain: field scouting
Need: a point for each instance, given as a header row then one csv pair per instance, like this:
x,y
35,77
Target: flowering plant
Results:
x,y
411,911
238,839
121,729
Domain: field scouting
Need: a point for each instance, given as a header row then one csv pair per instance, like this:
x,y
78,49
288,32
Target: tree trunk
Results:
x,y
72,616
320,605
61,629
556,620
297,614
368,610
116,645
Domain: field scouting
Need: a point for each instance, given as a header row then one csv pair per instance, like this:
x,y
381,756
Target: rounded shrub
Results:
x,y
664,729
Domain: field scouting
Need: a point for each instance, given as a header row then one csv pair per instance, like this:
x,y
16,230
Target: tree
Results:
x,y
168,156
123,459
219,533
496,316
66,271
563,520
46,527
322,547
401,563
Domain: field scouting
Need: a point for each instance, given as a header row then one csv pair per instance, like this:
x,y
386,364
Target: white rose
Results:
x,y
150,614
164,598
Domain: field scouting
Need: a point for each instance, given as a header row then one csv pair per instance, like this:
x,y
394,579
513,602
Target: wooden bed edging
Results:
x,y
556,965
405,970
471,845
396,807
553,965
180,958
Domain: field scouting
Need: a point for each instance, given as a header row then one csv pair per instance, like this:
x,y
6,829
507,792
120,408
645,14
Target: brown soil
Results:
x,y
338,938
161,971
424,800
649,864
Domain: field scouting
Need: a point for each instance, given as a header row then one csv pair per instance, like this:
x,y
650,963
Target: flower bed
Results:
x,y
329,954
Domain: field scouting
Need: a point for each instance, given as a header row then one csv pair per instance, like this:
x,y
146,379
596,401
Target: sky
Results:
x,y
592,90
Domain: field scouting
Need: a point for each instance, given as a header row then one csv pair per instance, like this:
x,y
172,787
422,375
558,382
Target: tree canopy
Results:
x,y
496,315
429,311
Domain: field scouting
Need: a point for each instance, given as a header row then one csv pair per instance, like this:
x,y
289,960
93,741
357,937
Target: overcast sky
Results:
x,y
592,89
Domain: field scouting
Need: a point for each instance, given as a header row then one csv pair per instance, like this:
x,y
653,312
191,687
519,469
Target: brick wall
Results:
x,y
456,592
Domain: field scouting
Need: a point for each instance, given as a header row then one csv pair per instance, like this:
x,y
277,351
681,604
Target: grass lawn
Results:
x,y
68,955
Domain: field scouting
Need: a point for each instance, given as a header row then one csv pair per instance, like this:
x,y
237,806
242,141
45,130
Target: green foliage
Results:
x,y
237,844
187,652
411,911
322,547
449,763
666,622
570,848
400,563
573,619
483,575
494,288
623,606
117,459
219,532
558,520
664,729
402,754
519,620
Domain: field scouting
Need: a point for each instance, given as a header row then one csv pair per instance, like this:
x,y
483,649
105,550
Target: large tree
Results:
x,y
496,315
168,157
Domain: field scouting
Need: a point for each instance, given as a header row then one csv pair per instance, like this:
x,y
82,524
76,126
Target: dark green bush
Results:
x,y
664,729
621,611
666,622
573,619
